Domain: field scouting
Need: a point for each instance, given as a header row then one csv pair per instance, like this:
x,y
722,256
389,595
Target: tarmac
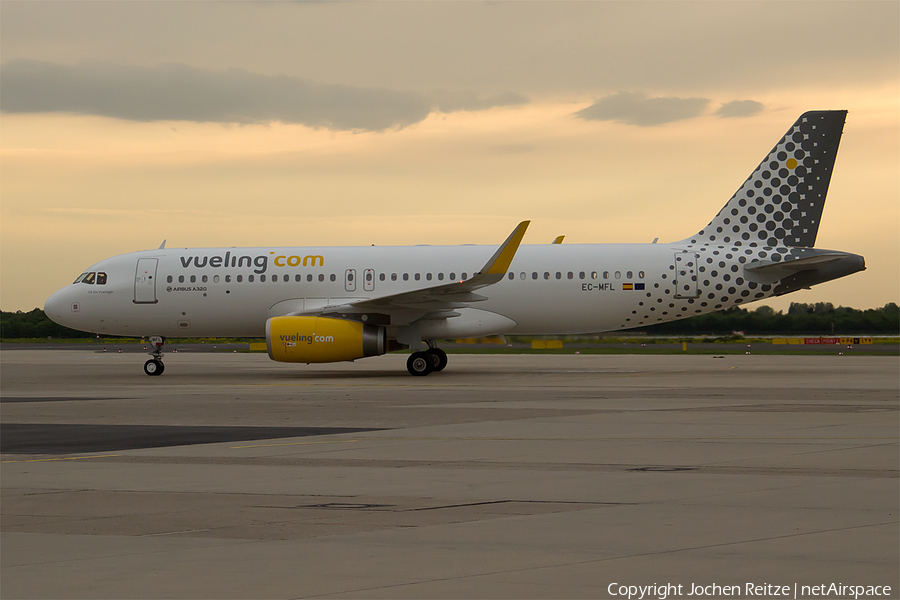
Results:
x,y
505,476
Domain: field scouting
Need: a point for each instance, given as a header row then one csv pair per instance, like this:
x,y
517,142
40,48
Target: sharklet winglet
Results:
x,y
500,261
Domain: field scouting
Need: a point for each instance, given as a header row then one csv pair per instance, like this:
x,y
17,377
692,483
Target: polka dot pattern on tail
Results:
x,y
781,202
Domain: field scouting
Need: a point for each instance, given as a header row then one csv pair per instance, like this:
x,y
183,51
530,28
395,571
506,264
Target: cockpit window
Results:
x,y
101,278
89,278
80,278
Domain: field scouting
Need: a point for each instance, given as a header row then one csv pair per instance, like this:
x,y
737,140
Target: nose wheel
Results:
x,y
155,366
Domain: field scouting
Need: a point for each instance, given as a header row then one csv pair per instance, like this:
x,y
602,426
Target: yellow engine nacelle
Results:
x,y
322,339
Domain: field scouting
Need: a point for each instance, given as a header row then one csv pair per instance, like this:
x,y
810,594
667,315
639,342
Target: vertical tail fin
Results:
x,y
781,202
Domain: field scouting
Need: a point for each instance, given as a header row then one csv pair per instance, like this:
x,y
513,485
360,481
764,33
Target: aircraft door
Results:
x,y
350,280
686,280
369,280
145,281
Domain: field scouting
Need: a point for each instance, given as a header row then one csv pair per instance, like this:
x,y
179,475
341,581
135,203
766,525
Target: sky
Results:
x,y
395,123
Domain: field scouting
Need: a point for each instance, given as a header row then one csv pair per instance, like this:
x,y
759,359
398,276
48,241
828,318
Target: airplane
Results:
x,y
328,304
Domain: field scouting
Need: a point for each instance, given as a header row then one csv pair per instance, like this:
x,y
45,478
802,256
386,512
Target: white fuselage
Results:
x,y
548,289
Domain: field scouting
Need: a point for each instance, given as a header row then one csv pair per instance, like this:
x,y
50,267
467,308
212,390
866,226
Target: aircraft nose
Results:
x,y
58,306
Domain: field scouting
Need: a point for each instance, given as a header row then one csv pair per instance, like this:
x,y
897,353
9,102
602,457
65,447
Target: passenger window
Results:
x,y
393,277
240,278
204,279
169,279
406,277
297,278
570,275
618,274
275,278
605,274
334,277
215,279
640,274
463,276
440,276
249,278
309,277
101,278
180,278
321,277
228,278
428,276
629,275
558,275
381,277
261,277
546,275
534,275
522,276
349,277
581,275
452,276
512,275
193,279
418,277
593,274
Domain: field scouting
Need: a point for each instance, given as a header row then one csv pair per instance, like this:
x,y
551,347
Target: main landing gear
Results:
x,y
155,365
430,361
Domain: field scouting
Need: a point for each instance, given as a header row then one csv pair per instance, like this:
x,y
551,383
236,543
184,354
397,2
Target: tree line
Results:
x,y
819,319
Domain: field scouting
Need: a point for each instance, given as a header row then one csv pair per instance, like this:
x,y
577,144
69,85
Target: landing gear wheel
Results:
x,y
439,357
154,367
419,363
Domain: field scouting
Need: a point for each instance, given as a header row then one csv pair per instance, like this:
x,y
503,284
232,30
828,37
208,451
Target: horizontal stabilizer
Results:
x,y
809,268
788,267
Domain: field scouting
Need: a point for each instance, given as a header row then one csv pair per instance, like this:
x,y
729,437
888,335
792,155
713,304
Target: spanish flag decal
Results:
x,y
627,286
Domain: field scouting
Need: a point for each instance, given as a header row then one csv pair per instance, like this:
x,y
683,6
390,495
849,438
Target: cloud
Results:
x,y
635,108
446,101
740,108
178,92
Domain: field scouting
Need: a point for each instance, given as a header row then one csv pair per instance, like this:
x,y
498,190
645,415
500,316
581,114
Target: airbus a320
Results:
x,y
327,304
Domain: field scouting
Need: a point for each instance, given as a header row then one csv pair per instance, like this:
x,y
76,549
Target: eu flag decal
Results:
x,y
639,286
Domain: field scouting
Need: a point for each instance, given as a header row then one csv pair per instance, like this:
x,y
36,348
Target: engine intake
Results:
x,y
322,339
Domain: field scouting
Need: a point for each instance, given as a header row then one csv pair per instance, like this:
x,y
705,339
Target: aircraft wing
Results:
x,y
434,302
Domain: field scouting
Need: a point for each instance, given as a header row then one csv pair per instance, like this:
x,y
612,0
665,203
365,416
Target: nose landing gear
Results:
x,y
155,365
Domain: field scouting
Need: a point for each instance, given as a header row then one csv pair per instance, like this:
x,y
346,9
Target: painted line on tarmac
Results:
x,y
295,444
419,384
566,439
63,458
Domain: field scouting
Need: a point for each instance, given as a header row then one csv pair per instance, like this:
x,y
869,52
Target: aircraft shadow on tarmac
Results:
x,y
63,438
